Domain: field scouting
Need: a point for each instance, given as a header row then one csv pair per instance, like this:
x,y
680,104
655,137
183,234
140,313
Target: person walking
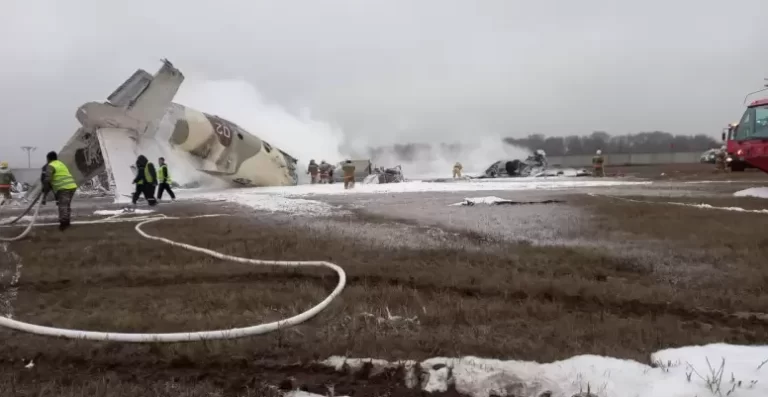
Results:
x,y
57,179
164,180
597,164
349,174
145,181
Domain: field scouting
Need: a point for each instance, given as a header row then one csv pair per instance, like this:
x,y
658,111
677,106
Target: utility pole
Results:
x,y
29,150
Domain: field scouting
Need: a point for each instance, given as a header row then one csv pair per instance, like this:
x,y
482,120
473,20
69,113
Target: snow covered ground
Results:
x,y
289,198
698,371
759,192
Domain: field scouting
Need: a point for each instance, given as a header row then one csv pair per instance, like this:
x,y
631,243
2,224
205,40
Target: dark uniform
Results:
x,y
164,181
313,170
57,178
146,180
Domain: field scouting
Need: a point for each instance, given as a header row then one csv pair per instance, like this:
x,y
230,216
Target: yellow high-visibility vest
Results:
x,y
162,175
147,175
62,179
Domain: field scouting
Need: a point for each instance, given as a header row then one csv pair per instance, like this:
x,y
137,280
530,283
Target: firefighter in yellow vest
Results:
x,y
457,170
164,180
6,180
145,180
57,178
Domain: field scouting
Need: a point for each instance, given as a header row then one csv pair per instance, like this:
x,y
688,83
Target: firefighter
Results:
x,y
146,179
457,170
597,164
6,181
349,174
540,157
57,178
313,171
164,180
325,170
720,159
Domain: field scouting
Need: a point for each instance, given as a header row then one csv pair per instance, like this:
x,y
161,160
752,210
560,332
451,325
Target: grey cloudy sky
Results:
x,y
398,69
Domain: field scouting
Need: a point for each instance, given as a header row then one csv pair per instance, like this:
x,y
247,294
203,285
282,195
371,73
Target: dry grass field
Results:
x,y
658,276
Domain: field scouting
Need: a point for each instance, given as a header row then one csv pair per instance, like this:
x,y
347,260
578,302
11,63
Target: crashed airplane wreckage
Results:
x,y
531,167
140,117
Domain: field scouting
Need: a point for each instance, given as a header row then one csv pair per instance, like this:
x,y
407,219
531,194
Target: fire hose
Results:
x,y
175,337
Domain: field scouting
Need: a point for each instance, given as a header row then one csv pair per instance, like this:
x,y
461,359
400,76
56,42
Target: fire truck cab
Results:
x,y
747,140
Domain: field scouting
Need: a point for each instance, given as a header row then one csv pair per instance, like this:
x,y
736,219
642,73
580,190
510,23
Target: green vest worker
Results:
x,y
164,180
146,180
58,179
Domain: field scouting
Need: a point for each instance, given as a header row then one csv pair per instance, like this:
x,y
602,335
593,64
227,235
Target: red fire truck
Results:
x,y
747,140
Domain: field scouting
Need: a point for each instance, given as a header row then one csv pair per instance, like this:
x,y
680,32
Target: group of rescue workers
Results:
x,y
148,179
539,157
57,179
323,173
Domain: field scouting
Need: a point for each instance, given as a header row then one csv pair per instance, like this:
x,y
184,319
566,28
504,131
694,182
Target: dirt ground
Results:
x,y
689,172
621,278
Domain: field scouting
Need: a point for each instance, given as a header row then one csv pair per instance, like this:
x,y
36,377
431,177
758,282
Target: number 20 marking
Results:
x,y
223,130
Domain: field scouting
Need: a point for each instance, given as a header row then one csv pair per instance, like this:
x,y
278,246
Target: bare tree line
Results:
x,y
643,142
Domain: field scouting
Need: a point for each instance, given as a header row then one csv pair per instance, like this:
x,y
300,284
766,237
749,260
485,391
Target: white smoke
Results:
x,y
306,138
240,102
436,161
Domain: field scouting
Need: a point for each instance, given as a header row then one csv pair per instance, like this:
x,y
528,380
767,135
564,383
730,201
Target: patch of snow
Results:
x,y
711,370
26,218
273,203
122,211
299,393
419,186
701,205
482,200
759,192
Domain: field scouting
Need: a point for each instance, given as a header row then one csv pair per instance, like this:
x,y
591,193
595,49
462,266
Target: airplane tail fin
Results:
x,y
82,155
152,99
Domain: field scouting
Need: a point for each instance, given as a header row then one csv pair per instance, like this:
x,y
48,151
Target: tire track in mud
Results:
x,y
571,302
234,376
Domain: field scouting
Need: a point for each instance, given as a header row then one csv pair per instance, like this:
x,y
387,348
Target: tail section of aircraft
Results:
x,y
139,117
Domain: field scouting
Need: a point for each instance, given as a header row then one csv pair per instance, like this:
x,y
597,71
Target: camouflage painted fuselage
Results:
x,y
225,149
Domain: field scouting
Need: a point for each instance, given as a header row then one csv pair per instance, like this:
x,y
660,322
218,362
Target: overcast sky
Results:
x,y
387,70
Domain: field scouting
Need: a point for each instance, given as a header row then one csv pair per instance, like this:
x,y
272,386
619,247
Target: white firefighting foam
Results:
x,y
711,370
758,192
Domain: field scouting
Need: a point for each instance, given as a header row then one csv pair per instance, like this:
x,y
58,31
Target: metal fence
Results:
x,y
628,159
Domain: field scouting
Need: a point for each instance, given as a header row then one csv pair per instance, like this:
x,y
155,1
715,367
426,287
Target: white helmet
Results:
x,y
599,152
540,152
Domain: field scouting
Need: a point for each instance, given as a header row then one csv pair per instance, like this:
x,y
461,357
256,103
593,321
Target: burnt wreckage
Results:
x,y
534,166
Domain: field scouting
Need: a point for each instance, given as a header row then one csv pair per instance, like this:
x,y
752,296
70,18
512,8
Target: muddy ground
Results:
x,y
592,274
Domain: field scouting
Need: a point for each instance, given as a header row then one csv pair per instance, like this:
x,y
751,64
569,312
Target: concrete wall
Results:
x,y
628,159
28,175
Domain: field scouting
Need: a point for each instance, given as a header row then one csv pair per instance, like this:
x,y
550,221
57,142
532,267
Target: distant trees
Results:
x,y
643,142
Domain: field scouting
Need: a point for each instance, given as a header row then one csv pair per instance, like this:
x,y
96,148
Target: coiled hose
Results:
x,y
232,333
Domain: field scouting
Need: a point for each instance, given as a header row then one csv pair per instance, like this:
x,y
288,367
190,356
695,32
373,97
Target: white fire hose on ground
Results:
x,y
233,333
